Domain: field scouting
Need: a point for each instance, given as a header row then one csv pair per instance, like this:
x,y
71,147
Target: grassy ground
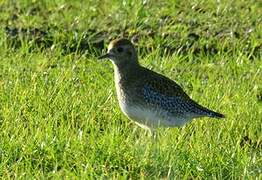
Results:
x,y
59,117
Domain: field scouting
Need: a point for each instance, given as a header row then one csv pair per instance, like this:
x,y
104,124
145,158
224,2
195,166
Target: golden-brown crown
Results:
x,y
119,42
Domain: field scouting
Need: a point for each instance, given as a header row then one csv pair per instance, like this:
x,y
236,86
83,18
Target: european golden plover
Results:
x,y
146,97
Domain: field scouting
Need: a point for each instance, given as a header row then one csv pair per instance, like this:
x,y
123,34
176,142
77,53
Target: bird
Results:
x,y
146,97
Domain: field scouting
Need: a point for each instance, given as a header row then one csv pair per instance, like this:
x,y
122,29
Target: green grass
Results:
x,y
59,117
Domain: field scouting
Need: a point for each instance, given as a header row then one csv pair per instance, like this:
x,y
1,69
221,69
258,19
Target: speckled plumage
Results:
x,y
149,98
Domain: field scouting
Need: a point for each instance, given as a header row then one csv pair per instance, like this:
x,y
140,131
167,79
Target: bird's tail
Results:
x,y
214,114
203,111
207,112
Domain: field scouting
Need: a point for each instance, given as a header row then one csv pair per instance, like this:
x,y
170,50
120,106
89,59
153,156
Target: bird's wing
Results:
x,y
160,91
163,85
175,104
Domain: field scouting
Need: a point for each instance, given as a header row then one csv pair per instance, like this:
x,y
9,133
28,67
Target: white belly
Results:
x,y
151,117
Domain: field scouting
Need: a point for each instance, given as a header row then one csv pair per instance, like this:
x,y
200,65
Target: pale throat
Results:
x,y
123,73
124,70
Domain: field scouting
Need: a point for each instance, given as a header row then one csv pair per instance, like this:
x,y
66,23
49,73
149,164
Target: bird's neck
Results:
x,y
125,72
125,75
126,68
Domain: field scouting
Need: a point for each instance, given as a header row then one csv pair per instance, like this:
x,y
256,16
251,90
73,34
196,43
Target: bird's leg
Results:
x,y
153,134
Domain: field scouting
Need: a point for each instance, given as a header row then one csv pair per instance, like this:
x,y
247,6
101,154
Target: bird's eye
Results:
x,y
120,49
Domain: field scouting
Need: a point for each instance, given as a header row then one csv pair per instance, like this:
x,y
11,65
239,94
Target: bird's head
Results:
x,y
121,52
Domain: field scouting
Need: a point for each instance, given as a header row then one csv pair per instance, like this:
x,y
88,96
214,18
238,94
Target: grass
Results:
x,y
59,116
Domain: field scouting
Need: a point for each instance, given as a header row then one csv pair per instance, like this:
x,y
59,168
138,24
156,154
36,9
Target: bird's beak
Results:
x,y
107,55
